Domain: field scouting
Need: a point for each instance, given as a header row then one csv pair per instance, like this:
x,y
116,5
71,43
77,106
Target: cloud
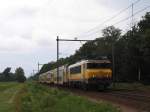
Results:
x,y
16,44
43,21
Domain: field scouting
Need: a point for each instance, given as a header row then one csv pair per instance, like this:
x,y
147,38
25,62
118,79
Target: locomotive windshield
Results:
x,y
98,65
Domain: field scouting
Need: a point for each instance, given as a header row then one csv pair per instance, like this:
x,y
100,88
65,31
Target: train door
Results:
x,y
64,75
61,73
83,71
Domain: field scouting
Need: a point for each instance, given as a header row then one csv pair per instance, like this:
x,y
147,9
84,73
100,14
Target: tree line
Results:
x,y
131,52
7,75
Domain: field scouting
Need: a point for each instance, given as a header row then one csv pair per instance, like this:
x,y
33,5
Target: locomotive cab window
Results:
x,y
75,70
98,65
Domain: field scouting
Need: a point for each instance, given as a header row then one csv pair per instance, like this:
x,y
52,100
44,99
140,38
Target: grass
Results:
x,y
32,97
7,96
41,98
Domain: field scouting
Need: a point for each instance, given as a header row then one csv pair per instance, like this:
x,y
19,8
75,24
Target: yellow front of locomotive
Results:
x,y
98,72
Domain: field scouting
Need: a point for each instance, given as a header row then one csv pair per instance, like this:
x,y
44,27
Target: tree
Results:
x,y
19,72
144,32
7,70
6,74
111,34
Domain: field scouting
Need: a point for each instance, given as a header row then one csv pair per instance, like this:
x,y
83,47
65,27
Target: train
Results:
x,y
84,74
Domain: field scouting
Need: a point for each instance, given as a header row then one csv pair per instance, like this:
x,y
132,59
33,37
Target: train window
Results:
x,y
98,65
75,70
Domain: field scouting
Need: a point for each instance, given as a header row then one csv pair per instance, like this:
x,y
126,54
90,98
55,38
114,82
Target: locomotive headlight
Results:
x,y
107,74
93,76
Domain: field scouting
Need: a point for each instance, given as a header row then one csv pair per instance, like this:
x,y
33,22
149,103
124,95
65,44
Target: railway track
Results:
x,y
136,96
128,99
131,96
127,95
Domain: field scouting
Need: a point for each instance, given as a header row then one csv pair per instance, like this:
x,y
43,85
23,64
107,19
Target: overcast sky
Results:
x,y
28,28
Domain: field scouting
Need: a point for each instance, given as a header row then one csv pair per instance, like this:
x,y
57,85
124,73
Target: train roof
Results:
x,y
76,64
45,73
89,61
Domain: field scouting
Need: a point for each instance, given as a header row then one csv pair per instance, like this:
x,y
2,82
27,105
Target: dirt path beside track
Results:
x,y
125,104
